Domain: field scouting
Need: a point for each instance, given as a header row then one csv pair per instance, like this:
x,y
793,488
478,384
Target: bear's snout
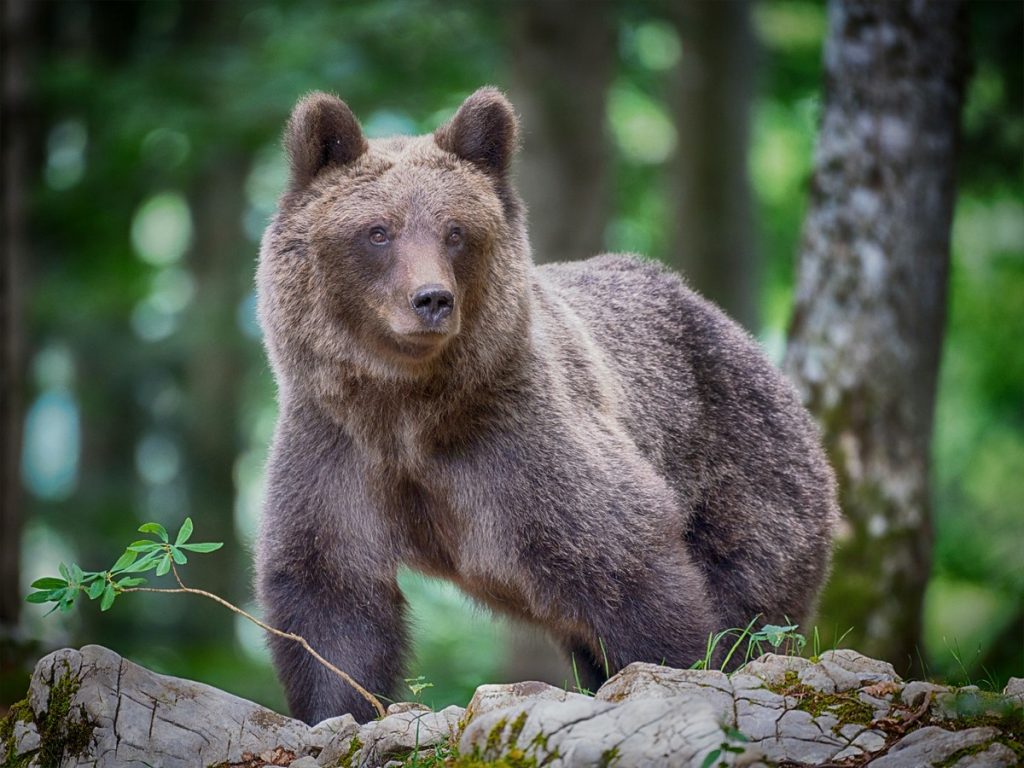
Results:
x,y
432,303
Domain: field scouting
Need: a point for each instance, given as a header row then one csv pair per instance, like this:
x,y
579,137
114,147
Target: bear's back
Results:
x,y
707,408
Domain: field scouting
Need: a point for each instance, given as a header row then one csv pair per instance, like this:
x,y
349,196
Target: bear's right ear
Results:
x,y
322,132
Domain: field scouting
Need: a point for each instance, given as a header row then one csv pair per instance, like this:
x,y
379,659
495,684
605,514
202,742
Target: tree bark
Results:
x,y
561,56
713,243
869,315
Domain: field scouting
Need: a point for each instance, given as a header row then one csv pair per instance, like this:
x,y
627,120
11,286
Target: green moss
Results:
x,y
516,728
60,734
1009,724
20,712
347,760
962,753
845,707
514,758
495,736
608,757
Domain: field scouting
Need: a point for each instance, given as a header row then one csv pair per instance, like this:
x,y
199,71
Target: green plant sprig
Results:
x,y
163,557
141,556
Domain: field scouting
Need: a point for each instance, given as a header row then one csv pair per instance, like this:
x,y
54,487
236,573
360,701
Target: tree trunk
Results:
x,y
16,154
713,243
562,55
221,261
869,315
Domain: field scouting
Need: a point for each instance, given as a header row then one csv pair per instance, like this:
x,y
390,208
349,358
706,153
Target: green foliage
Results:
x,y
417,685
157,555
781,639
732,745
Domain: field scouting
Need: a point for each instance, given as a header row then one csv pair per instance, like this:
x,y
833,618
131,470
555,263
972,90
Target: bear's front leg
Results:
x,y
351,621
325,572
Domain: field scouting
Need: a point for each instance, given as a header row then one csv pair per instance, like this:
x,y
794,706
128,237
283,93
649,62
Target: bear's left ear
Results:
x,y
484,131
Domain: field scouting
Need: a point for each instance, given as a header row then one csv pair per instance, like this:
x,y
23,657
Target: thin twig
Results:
x,y
267,628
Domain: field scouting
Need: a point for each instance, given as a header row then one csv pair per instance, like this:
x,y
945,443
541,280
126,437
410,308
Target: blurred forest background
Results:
x,y
142,161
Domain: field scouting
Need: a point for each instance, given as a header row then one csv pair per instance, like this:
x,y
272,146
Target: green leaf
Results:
x,y
48,583
212,546
39,597
418,684
108,597
64,572
76,573
145,563
89,576
95,589
143,545
185,532
68,600
775,634
125,560
156,528
165,565
179,556
735,734
712,758
130,582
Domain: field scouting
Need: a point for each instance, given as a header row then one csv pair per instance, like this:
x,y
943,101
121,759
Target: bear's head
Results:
x,y
394,260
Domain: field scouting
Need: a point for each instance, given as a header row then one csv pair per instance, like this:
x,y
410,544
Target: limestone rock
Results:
x,y
91,707
651,681
868,671
996,756
117,713
488,698
829,677
26,738
914,692
408,729
932,745
334,737
773,668
1014,692
674,731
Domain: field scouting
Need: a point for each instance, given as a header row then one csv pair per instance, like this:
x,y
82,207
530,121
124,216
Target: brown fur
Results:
x,y
589,446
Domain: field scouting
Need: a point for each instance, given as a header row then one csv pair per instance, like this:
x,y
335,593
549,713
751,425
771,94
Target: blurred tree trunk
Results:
x,y
868,322
221,262
713,242
16,136
562,55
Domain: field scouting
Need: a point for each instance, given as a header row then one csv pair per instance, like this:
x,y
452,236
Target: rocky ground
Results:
x,y
93,708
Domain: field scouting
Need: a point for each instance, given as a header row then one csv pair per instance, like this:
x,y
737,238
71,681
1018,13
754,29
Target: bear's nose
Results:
x,y
433,303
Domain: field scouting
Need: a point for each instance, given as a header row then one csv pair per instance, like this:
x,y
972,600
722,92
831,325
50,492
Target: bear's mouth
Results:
x,y
419,345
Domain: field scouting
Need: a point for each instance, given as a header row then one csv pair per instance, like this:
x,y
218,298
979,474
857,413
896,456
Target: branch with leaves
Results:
x,y
162,557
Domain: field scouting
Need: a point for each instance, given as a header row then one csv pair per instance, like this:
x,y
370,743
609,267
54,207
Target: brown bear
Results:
x,y
590,446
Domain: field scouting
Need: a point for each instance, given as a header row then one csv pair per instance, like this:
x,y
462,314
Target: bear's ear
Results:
x,y
484,131
322,132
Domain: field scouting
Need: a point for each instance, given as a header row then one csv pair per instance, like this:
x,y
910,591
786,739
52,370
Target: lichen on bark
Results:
x,y
870,305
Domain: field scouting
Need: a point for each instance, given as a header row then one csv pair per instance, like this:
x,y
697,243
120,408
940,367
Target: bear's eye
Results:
x,y
379,236
454,236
